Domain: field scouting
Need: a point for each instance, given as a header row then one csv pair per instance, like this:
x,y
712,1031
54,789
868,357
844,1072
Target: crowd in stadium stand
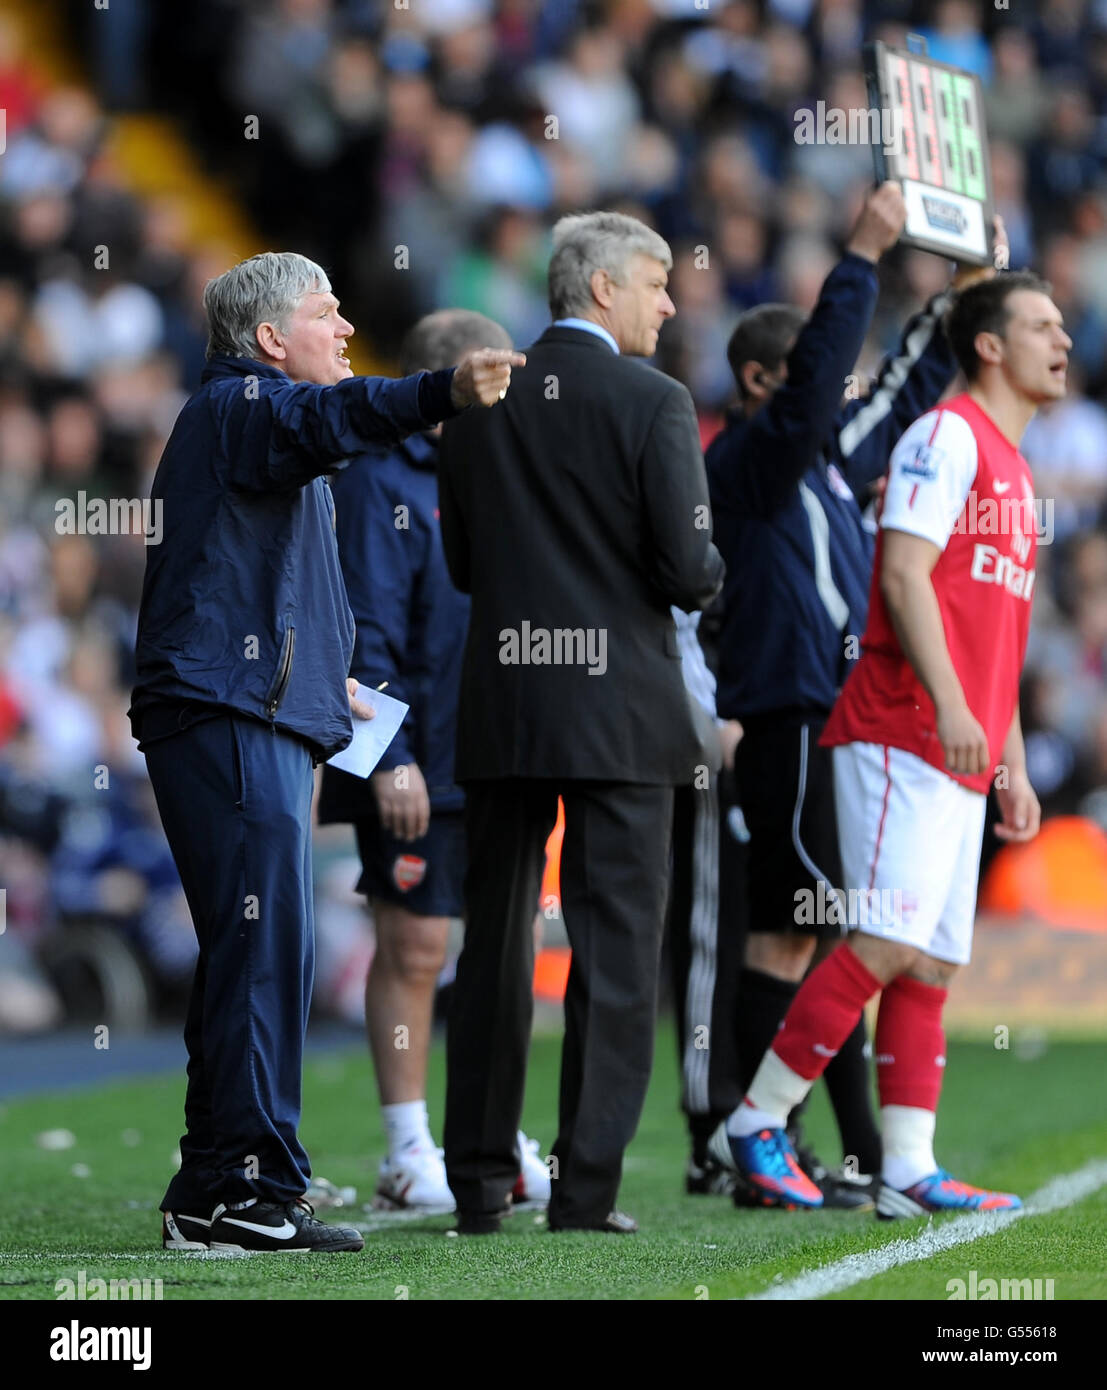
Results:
x,y
421,151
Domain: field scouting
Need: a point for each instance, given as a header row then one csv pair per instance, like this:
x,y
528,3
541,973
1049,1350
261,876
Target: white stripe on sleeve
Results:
x,y
930,475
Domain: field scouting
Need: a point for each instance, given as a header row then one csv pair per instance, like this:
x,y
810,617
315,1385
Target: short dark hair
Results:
x,y
441,339
983,308
764,335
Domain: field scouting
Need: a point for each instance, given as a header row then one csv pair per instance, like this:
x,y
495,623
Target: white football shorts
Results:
x,y
910,840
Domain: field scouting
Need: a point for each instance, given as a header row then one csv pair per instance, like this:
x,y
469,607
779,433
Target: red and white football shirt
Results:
x,y
956,480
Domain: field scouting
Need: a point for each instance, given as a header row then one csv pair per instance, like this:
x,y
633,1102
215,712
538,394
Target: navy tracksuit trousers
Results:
x,y
235,801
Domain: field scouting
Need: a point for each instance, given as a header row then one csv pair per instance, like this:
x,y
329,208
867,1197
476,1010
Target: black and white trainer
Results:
x,y
255,1227
181,1232
709,1177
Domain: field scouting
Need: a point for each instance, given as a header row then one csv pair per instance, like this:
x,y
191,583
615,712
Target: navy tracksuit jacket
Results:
x,y
785,486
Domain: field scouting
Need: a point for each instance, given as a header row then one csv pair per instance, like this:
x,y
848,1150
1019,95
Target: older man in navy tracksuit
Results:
x,y
244,644
788,478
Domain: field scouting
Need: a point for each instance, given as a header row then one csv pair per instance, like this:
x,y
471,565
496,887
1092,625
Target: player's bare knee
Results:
x,y
419,952
783,955
883,958
928,970
409,947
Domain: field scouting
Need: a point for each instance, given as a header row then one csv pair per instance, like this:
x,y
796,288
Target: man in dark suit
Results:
x,y
574,516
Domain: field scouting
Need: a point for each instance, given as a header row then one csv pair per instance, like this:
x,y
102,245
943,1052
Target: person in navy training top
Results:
x,y
789,476
410,626
244,645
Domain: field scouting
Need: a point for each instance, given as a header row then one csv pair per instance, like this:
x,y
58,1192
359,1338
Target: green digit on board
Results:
x,y
972,156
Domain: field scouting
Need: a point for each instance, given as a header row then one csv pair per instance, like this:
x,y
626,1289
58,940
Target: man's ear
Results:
x,y
603,288
271,341
989,348
752,376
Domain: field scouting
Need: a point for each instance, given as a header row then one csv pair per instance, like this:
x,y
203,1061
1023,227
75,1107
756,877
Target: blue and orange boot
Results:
x,y
768,1168
940,1192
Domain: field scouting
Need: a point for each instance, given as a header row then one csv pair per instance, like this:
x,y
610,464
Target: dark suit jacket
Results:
x,y
575,513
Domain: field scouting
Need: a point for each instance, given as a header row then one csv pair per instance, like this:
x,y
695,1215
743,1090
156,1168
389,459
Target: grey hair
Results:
x,y
263,289
592,241
442,339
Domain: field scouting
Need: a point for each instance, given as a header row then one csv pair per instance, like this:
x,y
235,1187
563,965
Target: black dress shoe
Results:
x,y
480,1223
616,1223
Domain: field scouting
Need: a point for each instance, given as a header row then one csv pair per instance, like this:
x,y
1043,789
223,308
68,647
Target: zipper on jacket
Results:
x,y
284,672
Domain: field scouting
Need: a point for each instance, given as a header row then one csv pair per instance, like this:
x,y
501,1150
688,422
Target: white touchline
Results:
x,y
387,1220
1059,1192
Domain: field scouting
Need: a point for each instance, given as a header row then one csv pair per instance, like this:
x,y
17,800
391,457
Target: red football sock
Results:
x,y
910,1044
824,1013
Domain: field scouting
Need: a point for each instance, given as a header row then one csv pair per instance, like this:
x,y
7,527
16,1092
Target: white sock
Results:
x,y
773,1092
406,1125
908,1134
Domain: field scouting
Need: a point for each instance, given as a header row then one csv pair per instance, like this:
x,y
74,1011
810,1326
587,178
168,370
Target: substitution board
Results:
x,y
934,143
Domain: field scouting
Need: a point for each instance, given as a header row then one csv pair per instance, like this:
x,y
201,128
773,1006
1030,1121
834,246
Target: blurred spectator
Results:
x,y
955,37
1084,322
1009,192
1093,803
1066,447
593,99
1060,29
1071,657
693,347
504,275
19,90
49,156
1062,164
1016,101
99,320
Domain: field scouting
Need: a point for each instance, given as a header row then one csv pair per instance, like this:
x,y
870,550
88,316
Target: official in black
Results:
x,y
574,514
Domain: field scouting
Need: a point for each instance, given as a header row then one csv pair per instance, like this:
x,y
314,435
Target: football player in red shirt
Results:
x,y
926,720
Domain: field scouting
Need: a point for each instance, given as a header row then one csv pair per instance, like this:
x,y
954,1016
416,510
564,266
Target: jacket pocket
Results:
x,y
284,671
238,758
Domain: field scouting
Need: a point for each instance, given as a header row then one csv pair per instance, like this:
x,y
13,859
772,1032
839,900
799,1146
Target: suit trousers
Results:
x,y
614,884
235,801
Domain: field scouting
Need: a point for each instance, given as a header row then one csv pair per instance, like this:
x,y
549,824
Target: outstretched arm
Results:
x,y
786,434
283,437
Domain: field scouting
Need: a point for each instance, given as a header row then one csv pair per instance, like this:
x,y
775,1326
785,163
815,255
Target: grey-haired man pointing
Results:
x,y
244,644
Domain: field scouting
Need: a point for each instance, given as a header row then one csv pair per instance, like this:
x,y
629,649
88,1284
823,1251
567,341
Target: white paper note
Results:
x,y
371,736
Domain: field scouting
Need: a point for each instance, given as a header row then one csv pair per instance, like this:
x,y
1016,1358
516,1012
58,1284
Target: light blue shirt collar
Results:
x,y
589,327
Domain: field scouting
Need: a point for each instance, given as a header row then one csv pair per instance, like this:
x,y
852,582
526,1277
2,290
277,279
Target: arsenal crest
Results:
x,y
408,872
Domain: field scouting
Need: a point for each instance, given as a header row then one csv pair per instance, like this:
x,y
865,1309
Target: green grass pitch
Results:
x,y
1008,1120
